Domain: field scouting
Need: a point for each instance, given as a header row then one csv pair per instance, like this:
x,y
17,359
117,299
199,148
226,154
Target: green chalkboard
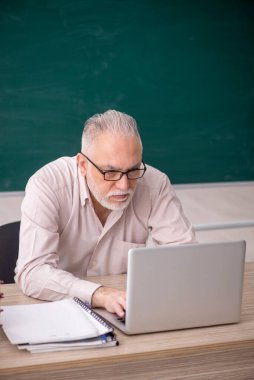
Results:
x,y
184,69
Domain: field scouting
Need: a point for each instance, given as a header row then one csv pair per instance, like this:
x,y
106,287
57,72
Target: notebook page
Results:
x,y
100,323
47,322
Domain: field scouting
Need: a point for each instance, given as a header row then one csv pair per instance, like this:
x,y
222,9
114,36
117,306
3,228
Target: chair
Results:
x,y
9,246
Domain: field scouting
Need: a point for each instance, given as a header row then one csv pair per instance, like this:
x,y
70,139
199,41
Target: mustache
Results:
x,y
119,192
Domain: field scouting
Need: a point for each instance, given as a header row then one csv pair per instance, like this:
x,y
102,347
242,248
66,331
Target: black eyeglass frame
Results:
x,y
121,173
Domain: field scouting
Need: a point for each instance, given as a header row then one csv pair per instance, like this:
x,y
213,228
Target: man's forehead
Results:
x,y
118,166
117,152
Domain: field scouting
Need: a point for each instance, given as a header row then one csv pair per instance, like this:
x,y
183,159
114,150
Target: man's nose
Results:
x,y
123,183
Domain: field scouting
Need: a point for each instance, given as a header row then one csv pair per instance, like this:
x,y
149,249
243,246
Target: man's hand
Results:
x,y
112,300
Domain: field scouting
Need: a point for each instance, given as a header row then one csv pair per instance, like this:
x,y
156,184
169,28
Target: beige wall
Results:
x,y
206,205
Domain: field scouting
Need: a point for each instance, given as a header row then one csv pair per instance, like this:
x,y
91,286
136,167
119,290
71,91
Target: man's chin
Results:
x,y
115,206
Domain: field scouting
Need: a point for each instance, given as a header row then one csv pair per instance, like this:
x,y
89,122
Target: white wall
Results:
x,y
207,205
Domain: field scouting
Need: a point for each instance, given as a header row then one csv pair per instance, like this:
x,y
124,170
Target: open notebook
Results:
x,y
58,325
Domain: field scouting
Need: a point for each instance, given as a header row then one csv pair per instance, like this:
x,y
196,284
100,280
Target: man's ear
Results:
x,y
82,164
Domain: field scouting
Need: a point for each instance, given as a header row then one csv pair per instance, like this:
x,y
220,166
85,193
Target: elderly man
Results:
x,y
81,215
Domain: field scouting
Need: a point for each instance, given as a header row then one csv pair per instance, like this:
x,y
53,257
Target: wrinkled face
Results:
x,y
111,152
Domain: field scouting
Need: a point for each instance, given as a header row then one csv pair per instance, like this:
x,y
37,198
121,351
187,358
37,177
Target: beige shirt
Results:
x,y
62,240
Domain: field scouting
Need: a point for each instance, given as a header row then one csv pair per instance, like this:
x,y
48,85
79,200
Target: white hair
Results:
x,y
112,121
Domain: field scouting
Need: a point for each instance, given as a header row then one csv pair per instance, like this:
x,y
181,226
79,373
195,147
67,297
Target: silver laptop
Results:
x,y
184,286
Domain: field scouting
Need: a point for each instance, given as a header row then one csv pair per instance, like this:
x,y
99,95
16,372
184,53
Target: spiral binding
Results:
x,y
85,305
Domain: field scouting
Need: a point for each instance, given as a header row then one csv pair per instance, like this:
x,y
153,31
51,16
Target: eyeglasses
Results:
x,y
116,175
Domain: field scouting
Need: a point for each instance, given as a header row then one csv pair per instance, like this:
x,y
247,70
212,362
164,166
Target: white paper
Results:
x,y
49,322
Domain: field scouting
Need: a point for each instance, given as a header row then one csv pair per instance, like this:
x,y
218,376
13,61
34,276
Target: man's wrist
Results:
x,y
97,297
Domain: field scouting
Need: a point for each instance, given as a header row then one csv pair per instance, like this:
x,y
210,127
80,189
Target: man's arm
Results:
x,y
42,279
167,222
37,271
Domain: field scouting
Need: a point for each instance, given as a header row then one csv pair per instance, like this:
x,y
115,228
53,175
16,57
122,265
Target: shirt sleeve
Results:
x,y
167,222
37,271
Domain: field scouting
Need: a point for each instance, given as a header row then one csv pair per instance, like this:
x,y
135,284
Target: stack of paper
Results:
x,y
56,326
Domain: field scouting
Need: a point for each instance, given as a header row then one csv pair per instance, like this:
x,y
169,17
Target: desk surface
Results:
x,y
228,348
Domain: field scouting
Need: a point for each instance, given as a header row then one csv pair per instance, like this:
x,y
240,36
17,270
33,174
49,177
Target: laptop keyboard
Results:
x,y
121,319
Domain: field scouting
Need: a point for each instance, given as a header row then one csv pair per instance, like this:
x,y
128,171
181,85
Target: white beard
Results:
x,y
105,200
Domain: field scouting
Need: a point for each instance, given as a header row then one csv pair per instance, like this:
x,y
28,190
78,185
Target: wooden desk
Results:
x,y
223,352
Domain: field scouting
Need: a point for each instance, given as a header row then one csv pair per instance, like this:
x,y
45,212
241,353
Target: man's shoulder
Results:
x,y
153,178
57,174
